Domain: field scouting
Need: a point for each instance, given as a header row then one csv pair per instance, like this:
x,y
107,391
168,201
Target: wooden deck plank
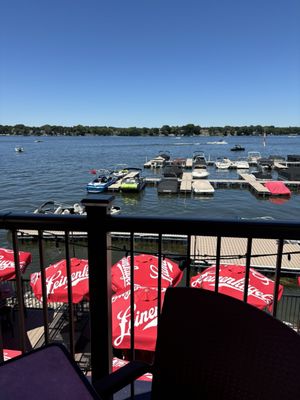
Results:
x,y
264,252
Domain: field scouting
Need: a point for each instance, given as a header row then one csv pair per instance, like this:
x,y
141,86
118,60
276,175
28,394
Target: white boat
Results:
x,y
19,149
202,187
240,164
253,156
223,163
53,207
218,142
199,172
199,158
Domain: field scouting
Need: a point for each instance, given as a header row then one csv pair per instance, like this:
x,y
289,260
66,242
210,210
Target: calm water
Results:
x,y
58,169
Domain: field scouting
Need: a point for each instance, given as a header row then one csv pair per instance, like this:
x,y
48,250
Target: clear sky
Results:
x,y
150,62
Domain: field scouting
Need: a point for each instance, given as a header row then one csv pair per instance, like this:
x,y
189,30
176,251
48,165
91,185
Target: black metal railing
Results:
x,y
100,227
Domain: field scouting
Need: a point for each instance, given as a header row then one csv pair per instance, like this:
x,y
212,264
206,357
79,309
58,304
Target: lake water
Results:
x,y
58,169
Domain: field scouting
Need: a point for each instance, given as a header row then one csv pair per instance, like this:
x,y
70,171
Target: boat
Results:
x,y
38,141
199,158
19,149
277,188
218,142
171,171
199,172
53,207
102,182
202,187
240,163
223,163
253,156
132,184
168,186
237,147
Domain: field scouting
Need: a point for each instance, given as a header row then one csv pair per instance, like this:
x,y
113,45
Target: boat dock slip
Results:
x,y
202,187
278,165
258,187
186,182
233,250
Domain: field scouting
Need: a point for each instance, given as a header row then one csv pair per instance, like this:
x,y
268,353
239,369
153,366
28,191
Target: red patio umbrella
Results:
x,y
118,363
145,318
8,354
56,281
232,282
145,272
7,263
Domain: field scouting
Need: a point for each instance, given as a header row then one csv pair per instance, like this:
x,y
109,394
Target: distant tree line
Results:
x,y
165,130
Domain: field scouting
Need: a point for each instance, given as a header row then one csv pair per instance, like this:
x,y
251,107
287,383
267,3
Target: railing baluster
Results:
x,y
247,272
132,330
44,290
70,295
218,258
188,261
20,295
277,275
159,276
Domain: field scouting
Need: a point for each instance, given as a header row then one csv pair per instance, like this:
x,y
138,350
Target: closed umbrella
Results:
x,y
57,282
145,272
8,354
7,263
232,283
145,318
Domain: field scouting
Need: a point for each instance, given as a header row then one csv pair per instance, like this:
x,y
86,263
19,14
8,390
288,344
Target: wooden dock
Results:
x,y
186,182
189,163
233,250
258,187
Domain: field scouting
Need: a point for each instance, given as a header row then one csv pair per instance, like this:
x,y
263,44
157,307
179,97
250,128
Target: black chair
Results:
x,y
211,346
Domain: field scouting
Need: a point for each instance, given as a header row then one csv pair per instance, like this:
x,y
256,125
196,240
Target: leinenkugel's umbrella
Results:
x,y
57,283
8,354
232,283
118,363
145,318
145,272
7,263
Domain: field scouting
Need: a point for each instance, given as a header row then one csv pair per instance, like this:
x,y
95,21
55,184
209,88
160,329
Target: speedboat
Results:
x,y
218,142
253,156
199,172
240,164
199,158
223,163
237,147
132,184
102,182
19,149
53,207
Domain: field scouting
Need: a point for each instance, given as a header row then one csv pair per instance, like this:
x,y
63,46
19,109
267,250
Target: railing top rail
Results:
x,y
179,225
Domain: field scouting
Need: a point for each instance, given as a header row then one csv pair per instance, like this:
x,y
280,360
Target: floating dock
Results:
x,y
258,187
186,182
202,187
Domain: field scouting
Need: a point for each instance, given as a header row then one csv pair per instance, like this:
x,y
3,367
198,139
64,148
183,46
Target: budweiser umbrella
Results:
x,y
118,363
145,272
57,283
145,318
232,282
8,354
7,263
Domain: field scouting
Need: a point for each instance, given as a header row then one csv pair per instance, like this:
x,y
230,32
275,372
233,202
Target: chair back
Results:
x,y
212,346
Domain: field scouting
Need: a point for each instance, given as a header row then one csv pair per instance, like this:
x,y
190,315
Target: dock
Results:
x,y
186,182
233,250
189,163
258,187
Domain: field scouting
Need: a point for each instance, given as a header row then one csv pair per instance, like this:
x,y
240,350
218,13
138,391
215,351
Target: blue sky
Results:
x,y
150,62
